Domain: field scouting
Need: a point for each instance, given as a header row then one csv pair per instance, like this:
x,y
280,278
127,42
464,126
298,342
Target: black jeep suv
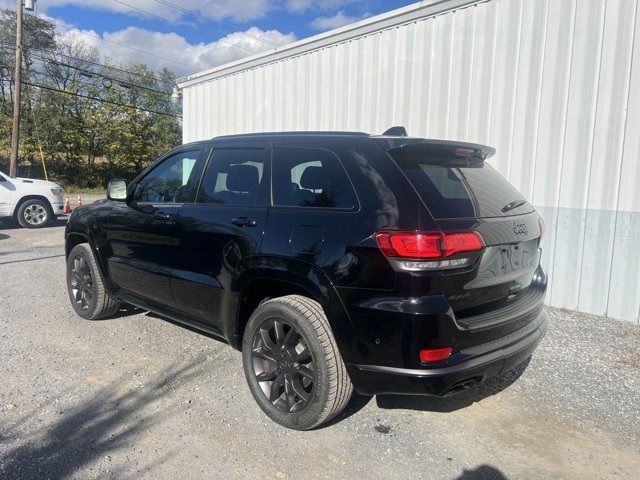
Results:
x,y
334,261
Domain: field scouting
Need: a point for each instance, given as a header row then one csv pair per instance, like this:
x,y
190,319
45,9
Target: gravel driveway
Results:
x,y
138,396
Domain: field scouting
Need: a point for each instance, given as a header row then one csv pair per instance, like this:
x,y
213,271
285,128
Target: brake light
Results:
x,y
542,226
425,245
429,355
465,152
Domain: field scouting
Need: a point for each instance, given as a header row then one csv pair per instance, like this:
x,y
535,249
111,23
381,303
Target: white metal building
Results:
x,y
554,85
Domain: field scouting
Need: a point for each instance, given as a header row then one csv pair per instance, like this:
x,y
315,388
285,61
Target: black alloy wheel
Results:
x,y
81,283
87,293
292,363
283,365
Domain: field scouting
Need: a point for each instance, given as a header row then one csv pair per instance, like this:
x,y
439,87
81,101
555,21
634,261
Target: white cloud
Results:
x,y
334,21
135,44
183,57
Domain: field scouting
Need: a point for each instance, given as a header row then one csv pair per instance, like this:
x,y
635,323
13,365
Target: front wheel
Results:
x,y
34,214
292,364
88,296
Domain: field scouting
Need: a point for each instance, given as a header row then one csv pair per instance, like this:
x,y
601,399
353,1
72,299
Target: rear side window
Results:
x,y
233,177
472,191
308,177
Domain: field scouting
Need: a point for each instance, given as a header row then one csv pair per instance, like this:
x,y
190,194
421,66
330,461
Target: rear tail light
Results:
x,y
542,226
428,250
429,355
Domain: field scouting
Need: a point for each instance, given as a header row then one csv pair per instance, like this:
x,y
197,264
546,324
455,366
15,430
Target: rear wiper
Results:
x,y
512,205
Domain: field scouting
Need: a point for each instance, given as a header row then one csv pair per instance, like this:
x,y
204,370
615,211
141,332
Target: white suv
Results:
x,y
33,203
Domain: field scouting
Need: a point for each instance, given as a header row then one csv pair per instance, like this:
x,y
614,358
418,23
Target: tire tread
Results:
x,y
340,388
106,306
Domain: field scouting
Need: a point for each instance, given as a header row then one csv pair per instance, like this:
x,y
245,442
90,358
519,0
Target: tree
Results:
x,y
93,118
39,34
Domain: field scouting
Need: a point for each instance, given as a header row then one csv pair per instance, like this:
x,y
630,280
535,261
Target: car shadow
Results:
x,y
455,402
449,404
13,225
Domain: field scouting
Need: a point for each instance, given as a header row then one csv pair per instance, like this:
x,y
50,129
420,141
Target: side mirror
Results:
x,y
117,190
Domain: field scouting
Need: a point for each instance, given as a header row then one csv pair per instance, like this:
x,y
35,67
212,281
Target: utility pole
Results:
x,y
17,94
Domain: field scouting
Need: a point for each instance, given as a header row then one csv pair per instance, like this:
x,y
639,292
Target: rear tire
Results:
x,y
88,296
292,363
34,213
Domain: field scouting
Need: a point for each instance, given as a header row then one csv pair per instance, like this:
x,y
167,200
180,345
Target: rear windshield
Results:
x,y
472,191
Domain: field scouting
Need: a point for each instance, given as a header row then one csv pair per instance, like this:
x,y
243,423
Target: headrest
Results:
x,y
314,178
243,178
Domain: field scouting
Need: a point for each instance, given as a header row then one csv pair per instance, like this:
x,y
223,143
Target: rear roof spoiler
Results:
x,y
437,148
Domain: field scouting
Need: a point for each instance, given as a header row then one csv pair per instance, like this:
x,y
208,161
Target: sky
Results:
x,y
188,36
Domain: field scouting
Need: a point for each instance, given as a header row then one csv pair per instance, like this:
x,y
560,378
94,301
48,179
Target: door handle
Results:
x,y
244,222
162,216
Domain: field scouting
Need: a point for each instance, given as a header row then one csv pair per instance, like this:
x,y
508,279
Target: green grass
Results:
x,y
73,191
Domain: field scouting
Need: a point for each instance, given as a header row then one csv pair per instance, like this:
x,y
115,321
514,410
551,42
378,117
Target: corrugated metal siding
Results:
x,y
552,84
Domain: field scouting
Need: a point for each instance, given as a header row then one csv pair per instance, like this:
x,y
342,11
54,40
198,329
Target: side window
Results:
x,y
233,177
169,182
307,177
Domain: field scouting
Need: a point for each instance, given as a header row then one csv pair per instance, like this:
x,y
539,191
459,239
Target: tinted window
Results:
x,y
170,181
306,177
233,177
474,191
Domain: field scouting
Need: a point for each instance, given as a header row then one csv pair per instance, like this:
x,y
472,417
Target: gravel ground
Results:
x,y
138,396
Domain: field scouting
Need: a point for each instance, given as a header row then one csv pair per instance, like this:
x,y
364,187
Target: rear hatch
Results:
x,y
464,193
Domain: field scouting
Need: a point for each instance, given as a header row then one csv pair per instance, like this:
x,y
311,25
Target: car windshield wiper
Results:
x,y
512,205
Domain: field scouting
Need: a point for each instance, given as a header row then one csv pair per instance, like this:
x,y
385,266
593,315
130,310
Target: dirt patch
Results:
x,y
632,360
562,449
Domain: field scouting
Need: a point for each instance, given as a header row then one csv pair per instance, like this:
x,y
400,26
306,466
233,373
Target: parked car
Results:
x,y
334,261
33,203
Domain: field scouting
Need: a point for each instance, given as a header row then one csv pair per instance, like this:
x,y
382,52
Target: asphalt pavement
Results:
x,y
140,397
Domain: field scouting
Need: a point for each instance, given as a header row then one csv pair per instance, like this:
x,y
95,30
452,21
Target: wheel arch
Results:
x,y
76,237
26,198
72,240
288,277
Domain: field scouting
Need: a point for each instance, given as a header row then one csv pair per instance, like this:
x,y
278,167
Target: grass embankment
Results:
x,y
74,191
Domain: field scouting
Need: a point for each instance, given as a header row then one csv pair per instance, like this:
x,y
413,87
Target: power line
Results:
x,y
71,57
91,84
175,23
213,20
120,81
131,48
91,73
98,99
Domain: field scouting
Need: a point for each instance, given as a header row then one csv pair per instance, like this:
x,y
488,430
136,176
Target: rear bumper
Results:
x,y
480,362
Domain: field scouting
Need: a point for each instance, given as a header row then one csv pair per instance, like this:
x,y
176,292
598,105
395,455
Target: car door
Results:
x,y
220,234
141,233
6,188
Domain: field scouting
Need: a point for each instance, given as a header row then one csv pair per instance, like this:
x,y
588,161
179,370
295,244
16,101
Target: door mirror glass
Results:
x,y
117,190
